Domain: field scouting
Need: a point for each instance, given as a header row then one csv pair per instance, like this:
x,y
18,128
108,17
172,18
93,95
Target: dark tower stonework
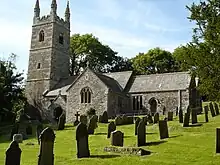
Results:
x,y
49,52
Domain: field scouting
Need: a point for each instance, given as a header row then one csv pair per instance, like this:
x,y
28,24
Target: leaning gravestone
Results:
x,y
105,117
92,125
170,116
13,154
38,132
194,116
206,109
136,125
111,128
141,133
18,138
83,119
117,138
180,115
156,117
82,141
163,128
61,122
216,108
46,156
212,109
186,120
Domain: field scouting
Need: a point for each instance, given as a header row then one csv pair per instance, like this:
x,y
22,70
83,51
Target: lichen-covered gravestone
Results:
x,y
83,119
13,154
206,109
141,133
136,125
18,138
212,109
111,128
92,125
117,138
170,116
61,122
186,120
180,115
163,128
156,117
105,117
194,116
82,141
38,132
46,155
216,108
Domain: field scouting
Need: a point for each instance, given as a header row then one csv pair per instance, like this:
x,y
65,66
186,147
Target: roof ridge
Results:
x,y
160,74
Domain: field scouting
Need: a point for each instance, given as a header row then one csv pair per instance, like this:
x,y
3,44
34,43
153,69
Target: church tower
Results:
x,y
49,52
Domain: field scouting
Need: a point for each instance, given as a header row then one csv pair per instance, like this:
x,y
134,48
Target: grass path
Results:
x,y
193,145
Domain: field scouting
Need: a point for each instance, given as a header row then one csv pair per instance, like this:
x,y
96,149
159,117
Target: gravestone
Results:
x,y
111,128
212,109
163,128
29,129
92,125
145,119
141,133
164,110
13,154
46,155
61,122
170,116
105,117
194,116
186,120
180,115
136,125
124,119
76,122
177,111
96,119
217,140
118,120
100,118
150,119
216,108
38,132
156,117
83,119
206,109
18,138
117,138
22,130
82,141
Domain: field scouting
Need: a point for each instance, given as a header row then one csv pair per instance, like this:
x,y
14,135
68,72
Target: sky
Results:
x,y
127,26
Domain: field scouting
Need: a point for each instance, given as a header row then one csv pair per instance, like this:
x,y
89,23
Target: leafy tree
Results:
x,y
154,61
121,64
87,47
206,41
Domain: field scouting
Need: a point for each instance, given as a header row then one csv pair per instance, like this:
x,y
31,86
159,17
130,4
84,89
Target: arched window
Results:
x,y
86,95
41,36
61,38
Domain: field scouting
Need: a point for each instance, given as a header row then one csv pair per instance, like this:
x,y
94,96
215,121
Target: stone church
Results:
x,y
50,88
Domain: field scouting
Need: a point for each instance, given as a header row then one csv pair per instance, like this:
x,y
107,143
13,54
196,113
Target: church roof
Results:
x,y
161,82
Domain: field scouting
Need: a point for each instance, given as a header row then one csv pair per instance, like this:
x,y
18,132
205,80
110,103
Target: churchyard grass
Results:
x,y
191,145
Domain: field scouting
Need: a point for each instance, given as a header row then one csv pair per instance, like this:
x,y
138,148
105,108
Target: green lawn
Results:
x,y
194,145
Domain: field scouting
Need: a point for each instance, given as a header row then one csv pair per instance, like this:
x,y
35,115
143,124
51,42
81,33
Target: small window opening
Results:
x,y
61,39
41,36
38,66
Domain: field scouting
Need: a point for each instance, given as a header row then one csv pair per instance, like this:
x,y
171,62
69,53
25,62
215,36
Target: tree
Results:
x,y
121,64
206,41
154,61
87,48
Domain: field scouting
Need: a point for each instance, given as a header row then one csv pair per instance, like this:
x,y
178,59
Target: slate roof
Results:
x,y
161,82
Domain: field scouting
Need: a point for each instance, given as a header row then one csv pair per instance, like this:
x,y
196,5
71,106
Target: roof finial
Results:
x,y
67,12
87,63
54,7
37,9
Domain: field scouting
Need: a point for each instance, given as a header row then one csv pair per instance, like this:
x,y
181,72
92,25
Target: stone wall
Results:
x,y
99,95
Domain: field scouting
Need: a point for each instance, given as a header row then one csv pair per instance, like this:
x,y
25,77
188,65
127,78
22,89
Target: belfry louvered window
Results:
x,y
41,36
86,94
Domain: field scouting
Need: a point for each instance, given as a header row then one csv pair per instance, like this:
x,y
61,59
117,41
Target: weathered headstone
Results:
x,y
136,125
83,119
29,129
150,119
111,128
118,120
76,122
141,133
194,116
163,128
186,120
206,109
18,138
61,122
180,115
82,141
156,117
212,109
46,155
100,118
92,125
216,108
96,119
170,116
13,154
145,119
117,138
105,117
38,132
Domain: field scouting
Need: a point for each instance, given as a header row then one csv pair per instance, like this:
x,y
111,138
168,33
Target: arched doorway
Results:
x,y
57,113
153,105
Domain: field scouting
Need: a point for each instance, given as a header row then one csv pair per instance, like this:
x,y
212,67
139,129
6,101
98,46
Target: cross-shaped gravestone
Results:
x,y
13,154
77,116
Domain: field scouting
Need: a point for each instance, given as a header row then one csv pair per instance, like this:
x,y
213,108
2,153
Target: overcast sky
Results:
x,y
127,26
